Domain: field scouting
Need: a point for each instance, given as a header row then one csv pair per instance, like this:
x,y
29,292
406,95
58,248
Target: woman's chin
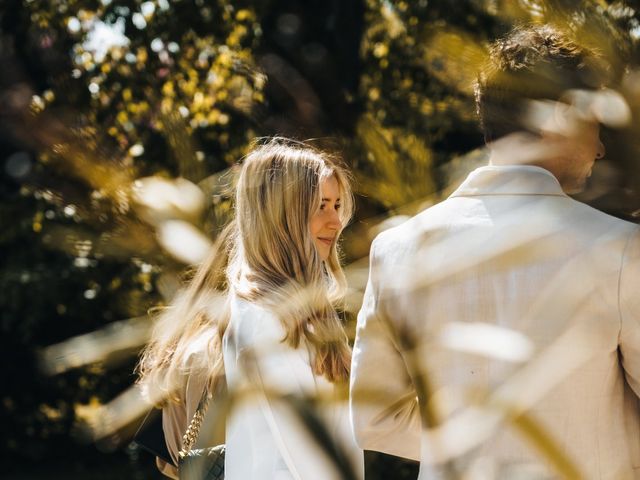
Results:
x,y
323,251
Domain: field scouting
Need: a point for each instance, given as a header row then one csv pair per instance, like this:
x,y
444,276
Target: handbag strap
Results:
x,y
191,435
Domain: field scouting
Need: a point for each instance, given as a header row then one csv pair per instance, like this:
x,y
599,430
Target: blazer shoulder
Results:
x,y
402,236
596,222
602,216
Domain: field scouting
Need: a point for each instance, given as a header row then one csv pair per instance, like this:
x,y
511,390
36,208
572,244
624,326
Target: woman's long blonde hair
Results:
x,y
265,255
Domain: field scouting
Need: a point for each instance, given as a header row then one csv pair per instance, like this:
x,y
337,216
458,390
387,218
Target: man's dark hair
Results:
x,y
532,62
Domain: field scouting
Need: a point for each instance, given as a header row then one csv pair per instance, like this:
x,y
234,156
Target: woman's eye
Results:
x,y
338,206
322,205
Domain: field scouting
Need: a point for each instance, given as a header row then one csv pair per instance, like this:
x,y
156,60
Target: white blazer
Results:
x,y
510,292
264,436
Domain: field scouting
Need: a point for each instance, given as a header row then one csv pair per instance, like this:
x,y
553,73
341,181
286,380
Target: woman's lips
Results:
x,y
326,241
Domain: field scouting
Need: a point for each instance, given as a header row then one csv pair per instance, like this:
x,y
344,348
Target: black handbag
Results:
x,y
200,463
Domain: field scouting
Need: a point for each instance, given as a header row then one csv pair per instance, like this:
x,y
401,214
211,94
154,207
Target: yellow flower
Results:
x,y
141,55
224,60
380,50
122,117
37,222
243,14
167,89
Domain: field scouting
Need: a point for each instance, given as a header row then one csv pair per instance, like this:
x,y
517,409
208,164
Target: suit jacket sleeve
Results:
x,y
629,298
384,407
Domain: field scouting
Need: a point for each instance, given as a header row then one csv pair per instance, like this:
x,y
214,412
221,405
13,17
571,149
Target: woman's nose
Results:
x,y
334,221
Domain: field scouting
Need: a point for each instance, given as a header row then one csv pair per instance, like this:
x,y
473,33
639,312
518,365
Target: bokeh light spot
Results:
x,y
147,9
157,45
136,150
73,25
139,21
18,165
289,24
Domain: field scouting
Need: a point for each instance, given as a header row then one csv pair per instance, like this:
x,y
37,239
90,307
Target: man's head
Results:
x,y
533,62
540,66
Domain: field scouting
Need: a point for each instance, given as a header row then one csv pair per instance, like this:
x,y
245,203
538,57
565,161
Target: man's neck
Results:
x,y
525,149
522,149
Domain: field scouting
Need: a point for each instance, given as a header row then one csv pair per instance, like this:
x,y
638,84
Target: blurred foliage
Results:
x,y
420,63
96,95
83,122
156,67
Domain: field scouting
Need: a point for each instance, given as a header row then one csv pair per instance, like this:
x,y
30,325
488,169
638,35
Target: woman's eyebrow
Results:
x,y
324,199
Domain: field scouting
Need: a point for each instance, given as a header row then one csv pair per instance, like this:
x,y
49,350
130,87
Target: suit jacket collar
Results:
x,y
509,180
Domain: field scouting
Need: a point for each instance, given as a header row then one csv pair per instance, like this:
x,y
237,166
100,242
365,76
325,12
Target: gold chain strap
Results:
x,y
191,435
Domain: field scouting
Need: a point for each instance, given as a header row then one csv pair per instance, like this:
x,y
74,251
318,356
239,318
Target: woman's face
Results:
x,y
325,223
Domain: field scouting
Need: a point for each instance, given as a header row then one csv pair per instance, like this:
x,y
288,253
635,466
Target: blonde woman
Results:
x,y
275,333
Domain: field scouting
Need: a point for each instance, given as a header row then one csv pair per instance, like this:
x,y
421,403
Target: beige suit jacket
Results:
x,y
513,312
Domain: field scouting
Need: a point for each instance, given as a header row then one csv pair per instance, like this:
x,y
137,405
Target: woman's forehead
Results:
x,y
329,187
